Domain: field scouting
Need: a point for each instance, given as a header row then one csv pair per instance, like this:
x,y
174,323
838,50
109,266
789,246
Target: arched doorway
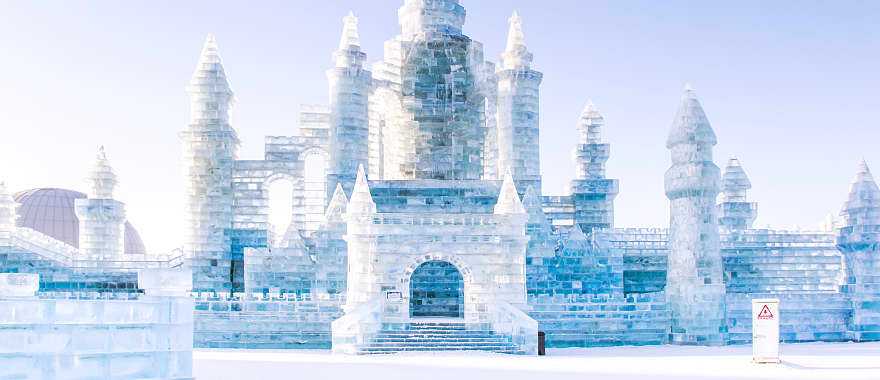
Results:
x,y
436,290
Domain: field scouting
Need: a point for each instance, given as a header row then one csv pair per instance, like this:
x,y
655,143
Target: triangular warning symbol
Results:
x,y
765,313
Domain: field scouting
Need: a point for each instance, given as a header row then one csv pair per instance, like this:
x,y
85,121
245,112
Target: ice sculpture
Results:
x,y
7,211
591,192
735,212
101,218
517,110
210,147
694,287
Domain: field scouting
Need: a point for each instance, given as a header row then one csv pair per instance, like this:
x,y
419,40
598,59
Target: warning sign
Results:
x,y
765,313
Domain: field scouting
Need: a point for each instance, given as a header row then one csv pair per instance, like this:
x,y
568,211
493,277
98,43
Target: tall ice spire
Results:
x,y
361,202
516,55
102,178
862,205
694,287
593,194
210,148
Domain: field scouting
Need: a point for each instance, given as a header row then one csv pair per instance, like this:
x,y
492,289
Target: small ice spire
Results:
x,y
862,206
516,55
336,207
350,36
690,126
209,76
534,207
734,182
361,200
590,124
508,199
102,178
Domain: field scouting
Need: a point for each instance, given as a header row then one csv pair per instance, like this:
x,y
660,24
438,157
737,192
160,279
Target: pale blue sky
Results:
x,y
790,88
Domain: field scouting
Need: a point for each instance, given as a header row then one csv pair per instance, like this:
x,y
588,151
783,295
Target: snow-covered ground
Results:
x,y
799,361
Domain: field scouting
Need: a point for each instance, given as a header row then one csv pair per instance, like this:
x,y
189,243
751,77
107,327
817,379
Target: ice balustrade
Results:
x,y
512,322
358,326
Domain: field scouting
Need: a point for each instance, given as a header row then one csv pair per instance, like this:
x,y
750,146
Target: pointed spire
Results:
x,y
534,206
361,200
7,209
576,233
691,126
508,199
516,54
209,87
590,124
102,178
862,206
734,182
292,239
336,208
350,36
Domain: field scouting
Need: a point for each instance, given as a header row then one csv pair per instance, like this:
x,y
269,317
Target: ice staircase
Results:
x,y
439,336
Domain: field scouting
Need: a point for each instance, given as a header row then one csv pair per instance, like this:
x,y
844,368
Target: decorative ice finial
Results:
x,y
361,200
590,124
102,178
688,89
690,126
350,36
336,208
508,199
516,55
734,182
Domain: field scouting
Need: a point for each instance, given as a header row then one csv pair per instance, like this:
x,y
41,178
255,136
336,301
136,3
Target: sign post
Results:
x,y
765,330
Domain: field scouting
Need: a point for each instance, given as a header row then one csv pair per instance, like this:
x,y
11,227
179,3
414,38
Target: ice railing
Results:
x,y
66,255
356,328
510,321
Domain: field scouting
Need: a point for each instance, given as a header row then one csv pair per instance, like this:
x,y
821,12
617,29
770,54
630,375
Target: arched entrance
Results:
x,y
436,290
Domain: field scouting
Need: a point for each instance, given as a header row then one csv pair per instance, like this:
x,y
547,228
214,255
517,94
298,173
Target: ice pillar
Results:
x,y
101,218
694,287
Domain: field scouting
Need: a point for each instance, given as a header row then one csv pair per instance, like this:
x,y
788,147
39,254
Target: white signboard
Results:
x,y
765,330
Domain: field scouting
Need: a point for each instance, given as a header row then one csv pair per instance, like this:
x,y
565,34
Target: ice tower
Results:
x,y
517,110
210,147
592,193
735,212
859,240
7,212
349,124
694,288
428,107
101,218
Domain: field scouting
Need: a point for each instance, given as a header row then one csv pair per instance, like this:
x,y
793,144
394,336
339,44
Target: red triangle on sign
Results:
x,y
765,313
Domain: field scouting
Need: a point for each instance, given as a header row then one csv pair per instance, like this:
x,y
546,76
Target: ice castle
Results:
x,y
418,223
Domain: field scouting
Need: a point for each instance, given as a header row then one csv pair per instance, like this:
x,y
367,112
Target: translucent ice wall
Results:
x,y
210,146
694,288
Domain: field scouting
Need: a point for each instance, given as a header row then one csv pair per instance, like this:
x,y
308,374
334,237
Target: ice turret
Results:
x,y
518,110
735,212
694,288
508,199
859,241
336,208
101,218
210,147
592,193
361,202
349,93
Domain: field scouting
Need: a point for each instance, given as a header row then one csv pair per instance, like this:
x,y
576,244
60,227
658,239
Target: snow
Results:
x,y
799,361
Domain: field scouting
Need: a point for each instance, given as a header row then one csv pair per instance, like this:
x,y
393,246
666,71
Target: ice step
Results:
x,y
439,336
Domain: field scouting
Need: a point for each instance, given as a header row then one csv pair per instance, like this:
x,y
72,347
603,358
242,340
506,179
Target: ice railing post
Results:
x,y
509,321
357,327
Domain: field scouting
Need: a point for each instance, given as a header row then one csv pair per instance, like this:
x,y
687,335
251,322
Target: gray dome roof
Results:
x,y
50,211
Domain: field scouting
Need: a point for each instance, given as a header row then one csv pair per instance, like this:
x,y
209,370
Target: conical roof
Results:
x,y
336,208
516,54
361,200
590,124
690,126
209,78
863,203
734,180
508,199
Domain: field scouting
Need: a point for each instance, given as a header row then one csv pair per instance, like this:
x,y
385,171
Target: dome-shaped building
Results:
x,y
51,212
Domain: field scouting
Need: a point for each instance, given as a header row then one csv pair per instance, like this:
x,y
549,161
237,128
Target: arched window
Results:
x,y
280,208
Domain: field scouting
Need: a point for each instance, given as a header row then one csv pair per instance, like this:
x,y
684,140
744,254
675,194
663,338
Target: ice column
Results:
x,y
362,277
592,193
694,287
349,93
101,218
210,147
735,212
858,240
517,110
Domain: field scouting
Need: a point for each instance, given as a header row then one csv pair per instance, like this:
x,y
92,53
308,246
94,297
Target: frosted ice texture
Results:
x,y
7,212
694,287
101,218
592,194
